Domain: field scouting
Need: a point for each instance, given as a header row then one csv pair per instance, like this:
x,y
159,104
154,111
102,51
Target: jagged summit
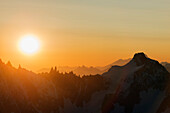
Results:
x,y
140,58
141,54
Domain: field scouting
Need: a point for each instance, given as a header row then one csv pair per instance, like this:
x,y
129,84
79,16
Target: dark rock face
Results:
x,y
140,58
152,76
141,86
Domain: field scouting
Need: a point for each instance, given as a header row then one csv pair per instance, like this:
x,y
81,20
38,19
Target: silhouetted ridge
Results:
x,y
140,58
140,86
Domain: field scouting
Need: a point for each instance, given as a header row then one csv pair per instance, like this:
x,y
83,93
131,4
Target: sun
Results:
x,y
29,44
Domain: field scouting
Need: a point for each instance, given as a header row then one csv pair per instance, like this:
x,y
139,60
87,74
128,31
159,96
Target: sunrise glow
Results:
x,y
29,44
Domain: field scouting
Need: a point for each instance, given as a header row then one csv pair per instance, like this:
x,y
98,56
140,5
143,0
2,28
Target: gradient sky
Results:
x,y
84,32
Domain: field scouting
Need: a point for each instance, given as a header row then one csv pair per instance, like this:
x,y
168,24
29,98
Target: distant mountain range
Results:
x,y
84,70
119,62
140,86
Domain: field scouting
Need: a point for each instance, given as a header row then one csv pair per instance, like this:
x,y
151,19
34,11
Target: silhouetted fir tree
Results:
x,y
55,69
19,67
52,70
1,61
9,64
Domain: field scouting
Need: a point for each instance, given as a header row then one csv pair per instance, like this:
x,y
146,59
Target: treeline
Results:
x,y
25,91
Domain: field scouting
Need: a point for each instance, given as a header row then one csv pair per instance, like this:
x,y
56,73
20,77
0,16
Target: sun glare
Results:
x,y
29,44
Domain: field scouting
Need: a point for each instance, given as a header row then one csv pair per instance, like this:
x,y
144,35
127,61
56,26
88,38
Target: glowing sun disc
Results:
x,y
29,44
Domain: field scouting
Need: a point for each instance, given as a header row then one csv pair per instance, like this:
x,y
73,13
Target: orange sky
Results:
x,y
92,32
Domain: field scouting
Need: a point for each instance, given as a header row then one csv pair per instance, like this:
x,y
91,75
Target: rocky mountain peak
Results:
x,y
140,58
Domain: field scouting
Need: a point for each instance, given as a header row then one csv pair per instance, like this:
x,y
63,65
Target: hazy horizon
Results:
x,y
63,68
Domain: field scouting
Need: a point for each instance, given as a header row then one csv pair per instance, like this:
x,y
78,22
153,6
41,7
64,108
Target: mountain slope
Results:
x,y
166,65
140,87
119,62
